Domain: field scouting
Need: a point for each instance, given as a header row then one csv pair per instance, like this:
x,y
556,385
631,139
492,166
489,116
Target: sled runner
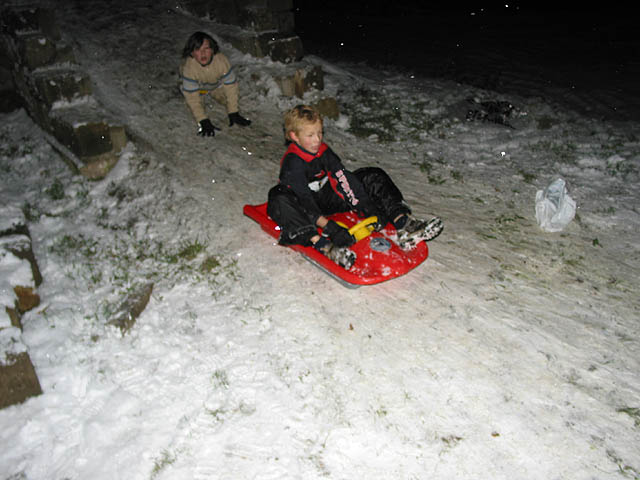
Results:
x,y
379,258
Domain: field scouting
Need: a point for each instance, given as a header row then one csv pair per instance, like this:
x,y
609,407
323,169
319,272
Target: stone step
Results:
x,y
64,84
36,50
30,19
262,28
91,134
280,47
19,276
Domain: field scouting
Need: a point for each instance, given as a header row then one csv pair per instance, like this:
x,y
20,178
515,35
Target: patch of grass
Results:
x,y
83,197
425,167
217,414
189,251
220,379
564,152
451,440
31,212
120,262
510,223
457,176
209,263
381,411
527,177
626,470
633,412
620,169
373,114
611,210
436,180
488,236
166,459
70,245
56,190
545,122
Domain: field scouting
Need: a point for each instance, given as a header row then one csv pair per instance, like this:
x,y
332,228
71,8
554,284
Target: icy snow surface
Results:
x,y
510,353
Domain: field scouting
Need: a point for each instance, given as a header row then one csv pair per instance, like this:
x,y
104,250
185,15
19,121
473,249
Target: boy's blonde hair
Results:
x,y
298,116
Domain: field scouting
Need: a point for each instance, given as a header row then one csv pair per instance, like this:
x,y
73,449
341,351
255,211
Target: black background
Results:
x,y
573,48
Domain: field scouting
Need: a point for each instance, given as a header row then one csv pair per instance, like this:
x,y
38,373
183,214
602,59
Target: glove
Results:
x,y
339,236
380,224
235,118
207,129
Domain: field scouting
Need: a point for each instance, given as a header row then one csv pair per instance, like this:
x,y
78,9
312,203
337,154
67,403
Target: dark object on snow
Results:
x,y
338,235
491,111
131,308
18,380
237,119
207,129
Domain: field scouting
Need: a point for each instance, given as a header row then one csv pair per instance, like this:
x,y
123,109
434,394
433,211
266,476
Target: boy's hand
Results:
x,y
207,129
236,119
338,235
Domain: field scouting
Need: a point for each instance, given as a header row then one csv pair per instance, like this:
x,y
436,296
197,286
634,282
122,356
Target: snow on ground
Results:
x,y
510,353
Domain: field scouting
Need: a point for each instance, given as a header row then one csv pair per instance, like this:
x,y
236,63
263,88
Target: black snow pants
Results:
x,y
296,225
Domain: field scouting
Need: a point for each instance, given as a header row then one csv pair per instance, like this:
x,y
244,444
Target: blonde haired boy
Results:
x,y
314,184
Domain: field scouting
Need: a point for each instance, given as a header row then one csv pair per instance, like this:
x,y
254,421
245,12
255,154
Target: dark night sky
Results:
x,y
570,45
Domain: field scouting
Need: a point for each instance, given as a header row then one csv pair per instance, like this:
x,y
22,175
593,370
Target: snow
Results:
x,y
510,353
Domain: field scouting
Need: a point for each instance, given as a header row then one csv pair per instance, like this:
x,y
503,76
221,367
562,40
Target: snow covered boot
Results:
x,y
343,256
415,231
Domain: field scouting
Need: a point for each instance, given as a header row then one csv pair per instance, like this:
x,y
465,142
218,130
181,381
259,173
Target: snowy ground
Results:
x,y
511,353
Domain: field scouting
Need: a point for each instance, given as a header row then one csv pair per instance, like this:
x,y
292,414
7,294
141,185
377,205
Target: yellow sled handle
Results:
x,y
361,229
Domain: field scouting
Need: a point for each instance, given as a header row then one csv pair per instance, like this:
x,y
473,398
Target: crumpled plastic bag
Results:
x,y
554,207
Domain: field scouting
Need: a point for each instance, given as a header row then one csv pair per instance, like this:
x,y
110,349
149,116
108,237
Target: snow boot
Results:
x,y
343,256
415,231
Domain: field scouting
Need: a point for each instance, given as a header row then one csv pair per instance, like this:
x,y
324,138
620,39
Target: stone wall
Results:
x,y
56,92
19,279
265,28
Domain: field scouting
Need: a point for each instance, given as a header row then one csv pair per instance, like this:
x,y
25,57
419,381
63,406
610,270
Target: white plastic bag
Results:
x,y
554,207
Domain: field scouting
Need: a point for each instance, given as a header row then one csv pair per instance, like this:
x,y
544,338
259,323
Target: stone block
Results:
x,y
302,80
14,317
20,274
132,307
19,244
246,44
86,133
55,86
280,47
327,107
118,138
224,11
18,380
308,79
84,140
27,298
287,85
30,19
258,19
97,167
37,51
199,8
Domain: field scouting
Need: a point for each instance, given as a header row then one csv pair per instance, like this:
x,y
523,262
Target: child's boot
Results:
x,y
412,231
343,256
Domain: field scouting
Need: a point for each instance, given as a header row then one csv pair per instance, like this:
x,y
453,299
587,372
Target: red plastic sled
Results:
x,y
379,258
